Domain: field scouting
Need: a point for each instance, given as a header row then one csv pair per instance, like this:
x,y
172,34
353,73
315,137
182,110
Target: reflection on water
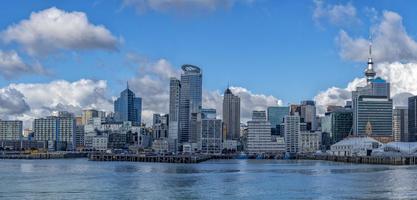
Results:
x,y
224,179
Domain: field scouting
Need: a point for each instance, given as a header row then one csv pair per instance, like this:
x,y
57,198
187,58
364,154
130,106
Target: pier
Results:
x,y
43,156
374,160
150,158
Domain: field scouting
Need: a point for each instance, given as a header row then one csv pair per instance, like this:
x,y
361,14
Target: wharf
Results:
x,y
374,160
44,156
149,158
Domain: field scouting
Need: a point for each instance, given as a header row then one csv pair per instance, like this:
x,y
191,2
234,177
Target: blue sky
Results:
x,y
269,47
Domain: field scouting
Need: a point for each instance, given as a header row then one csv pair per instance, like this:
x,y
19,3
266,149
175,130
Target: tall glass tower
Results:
x,y
128,107
190,101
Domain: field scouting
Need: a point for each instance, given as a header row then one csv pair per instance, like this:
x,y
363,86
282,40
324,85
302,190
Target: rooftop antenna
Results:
x,y
127,84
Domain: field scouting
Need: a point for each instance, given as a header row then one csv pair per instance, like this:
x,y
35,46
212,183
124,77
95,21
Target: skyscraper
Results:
x,y
372,106
190,103
276,116
412,118
128,107
174,107
308,114
292,133
231,116
400,124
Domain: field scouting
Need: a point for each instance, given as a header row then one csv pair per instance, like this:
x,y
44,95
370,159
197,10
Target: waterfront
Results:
x,y
227,179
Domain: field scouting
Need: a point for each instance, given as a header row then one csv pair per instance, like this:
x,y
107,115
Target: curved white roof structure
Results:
x,y
403,148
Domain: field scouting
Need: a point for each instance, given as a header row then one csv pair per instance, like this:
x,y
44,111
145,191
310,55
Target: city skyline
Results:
x,y
80,75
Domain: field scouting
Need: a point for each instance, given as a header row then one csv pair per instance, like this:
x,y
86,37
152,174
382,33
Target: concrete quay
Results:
x,y
149,158
374,160
44,156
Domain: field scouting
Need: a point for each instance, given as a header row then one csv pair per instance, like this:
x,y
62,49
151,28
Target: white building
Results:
x,y
355,146
59,131
211,136
11,130
100,143
260,140
160,146
310,142
292,133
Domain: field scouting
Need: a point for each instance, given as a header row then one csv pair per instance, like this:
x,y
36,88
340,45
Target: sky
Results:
x,y
77,54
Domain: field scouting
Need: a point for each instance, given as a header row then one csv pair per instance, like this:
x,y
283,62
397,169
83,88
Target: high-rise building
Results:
x,y
160,126
308,114
339,124
412,119
174,106
211,136
292,133
190,103
128,107
276,116
59,131
372,107
208,113
11,130
259,139
400,124
90,113
231,116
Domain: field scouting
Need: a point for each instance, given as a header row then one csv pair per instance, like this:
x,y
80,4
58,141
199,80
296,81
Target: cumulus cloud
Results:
x,y
12,65
181,6
53,29
339,15
391,42
152,83
402,78
12,103
249,101
44,98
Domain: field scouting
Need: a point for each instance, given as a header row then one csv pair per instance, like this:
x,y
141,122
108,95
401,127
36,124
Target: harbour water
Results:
x,y
217,179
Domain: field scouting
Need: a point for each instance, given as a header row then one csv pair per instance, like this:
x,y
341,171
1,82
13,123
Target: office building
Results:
x,y
128,107
90,113
412,119
292,133
174,106
308,114
11,130
211,136
160,126
190,103
231,116
400,124
59,131
276,116
259,139
310,142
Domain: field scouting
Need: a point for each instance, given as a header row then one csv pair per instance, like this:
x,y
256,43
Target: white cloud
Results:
x,y
249,101
152,84
339,15
12,65
43,98
391,42
53,29
181,6
402,77
12,103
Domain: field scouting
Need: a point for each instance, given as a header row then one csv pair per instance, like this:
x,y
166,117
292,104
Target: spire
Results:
x,y
127,84
369,72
